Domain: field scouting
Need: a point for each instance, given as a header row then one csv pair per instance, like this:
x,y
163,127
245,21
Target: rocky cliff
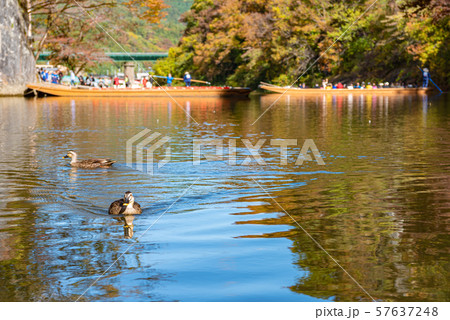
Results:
x,y
17,65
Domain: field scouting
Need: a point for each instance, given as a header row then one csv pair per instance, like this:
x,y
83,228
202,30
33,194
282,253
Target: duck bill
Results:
x,y
125,204
65,157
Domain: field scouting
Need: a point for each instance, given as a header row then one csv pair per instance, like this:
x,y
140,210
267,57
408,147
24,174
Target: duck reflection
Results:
x,y
73,174
127,225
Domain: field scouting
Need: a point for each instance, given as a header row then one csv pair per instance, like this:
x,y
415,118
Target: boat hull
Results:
x,y
383,91
66,91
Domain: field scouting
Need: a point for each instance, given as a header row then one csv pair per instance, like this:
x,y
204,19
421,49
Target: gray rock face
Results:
x,y
17,65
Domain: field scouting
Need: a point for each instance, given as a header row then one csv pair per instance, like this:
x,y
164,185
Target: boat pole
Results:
x,y
200,81
192,80
431,80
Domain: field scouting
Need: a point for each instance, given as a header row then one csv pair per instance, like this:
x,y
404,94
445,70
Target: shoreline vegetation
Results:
x,y
245,42
242,43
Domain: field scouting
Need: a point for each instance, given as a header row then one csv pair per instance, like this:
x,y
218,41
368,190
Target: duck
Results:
x,y
89,163
127,205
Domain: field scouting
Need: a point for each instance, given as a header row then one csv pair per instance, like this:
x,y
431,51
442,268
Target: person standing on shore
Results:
x,y
41,74
53,78
151,81
45,75
116,82
72,78
169,80
426,77
187,79
81,80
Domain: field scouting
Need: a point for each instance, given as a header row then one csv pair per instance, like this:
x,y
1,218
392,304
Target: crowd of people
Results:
x,y
52,76
56,76
89,81
372,85
363,85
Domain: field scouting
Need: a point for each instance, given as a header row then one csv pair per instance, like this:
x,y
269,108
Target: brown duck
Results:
x,y
89,163
127,205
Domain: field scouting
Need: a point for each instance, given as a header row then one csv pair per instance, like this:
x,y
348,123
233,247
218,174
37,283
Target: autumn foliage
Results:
x,y
243,42
149,10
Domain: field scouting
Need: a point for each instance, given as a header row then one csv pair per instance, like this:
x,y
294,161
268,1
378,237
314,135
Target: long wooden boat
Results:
x,y
83,91
311,91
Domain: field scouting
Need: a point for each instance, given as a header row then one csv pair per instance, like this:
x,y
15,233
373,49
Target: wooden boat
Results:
x,y
311,91
84,91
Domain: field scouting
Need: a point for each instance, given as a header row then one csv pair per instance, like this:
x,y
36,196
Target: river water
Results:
x,y
372,222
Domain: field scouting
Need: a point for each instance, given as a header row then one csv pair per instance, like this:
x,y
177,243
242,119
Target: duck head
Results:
x,y
128,199
71,154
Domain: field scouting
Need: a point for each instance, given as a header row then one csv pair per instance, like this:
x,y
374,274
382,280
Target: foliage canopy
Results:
x,y
243,42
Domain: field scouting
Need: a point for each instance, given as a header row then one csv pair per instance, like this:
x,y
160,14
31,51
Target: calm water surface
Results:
x,y
380,206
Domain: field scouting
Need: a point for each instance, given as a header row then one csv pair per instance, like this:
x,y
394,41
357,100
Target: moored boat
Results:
x,y
312,91
83,91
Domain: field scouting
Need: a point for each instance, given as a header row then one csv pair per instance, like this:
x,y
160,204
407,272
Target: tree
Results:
x,y
44,17
68,28
149,10
70,44
245,42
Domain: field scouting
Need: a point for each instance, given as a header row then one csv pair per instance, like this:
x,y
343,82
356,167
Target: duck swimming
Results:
x,y
125,205
88,164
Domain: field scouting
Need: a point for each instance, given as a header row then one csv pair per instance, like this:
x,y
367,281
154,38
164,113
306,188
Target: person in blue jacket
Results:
x,y
54,78
426,77
169,80
45,75
187,79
